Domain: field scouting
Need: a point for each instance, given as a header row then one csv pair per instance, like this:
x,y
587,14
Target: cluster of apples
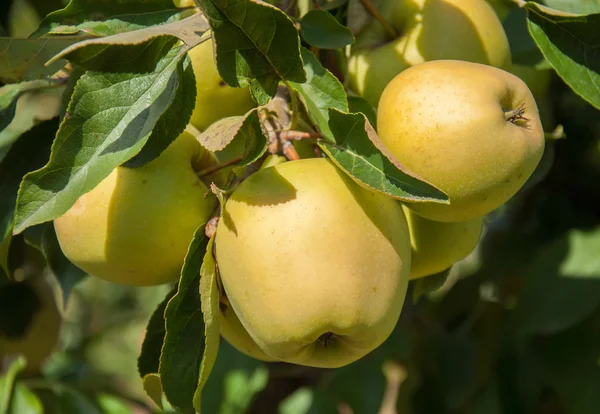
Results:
x,y
314,267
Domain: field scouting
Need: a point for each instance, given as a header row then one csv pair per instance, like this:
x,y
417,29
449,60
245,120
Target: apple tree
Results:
x,y
299,206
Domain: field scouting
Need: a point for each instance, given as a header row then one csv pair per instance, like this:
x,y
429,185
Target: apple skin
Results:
x,y
41,336
214,98
233,331
449,122
315,266
429,30
437,246
134,228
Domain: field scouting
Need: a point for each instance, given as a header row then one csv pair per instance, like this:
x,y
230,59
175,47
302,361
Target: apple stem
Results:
x,y
516,115
217,167
369,7
290,151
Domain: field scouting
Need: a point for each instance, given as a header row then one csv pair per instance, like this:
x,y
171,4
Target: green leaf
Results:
x,y
575,6
136,51
24,59
153,388
149,359
256,44
184,345
27,154
105,18
7,383
109,119
241,387
321,91
209,295
359,152
299,402
111,404
360,104
570,43
172,123
220,134
65,272
255,139
562,285
65,399
319,28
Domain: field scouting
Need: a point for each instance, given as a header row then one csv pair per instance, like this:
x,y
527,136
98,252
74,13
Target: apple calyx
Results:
x,y
515,116
326,340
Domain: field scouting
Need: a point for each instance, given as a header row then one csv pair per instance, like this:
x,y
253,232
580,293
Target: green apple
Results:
x,y
437,246
538,82
472,130
134,228
40,336
214,98
315,266
233,331
427,30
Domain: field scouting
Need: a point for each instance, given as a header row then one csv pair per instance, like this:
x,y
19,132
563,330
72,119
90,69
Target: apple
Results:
x,y
314,266
40,336
233,331
214,98
427,30
437,246
470,129
134,228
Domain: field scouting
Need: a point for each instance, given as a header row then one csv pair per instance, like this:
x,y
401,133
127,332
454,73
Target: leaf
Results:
x,y
7,383
153,388
24,59
359,104
256,44
523,49
219,134
173,122
209,294
8,105
321,91
111,404
319,28
136,51
105,18
109,119
241,387
27,154
65,272
254,137
575,6
359,152
562,285
184,346
570,43
149,359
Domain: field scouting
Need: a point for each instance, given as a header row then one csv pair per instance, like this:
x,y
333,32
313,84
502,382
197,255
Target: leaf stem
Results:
x,y
217,167
369,7
295,107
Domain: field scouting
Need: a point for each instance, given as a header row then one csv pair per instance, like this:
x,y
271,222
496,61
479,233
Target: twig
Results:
x,y
369,7
290,151
217,167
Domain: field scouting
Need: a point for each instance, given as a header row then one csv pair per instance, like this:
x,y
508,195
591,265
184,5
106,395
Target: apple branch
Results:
x,y
369,7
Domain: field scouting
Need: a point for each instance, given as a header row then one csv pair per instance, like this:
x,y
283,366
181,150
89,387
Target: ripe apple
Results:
x,y
427,30
472,130
41,333
214,98
437,246
233,331
134,228
315,266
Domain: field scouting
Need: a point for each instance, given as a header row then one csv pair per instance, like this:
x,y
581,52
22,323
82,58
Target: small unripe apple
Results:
x,y
134,227
314,266
472,130
437,246
214,98
37,338
427,30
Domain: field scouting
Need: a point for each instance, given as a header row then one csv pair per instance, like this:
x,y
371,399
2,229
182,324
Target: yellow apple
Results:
x,y
134,228
233,331
427,30
437,246
314,266
40,336
472,130
214,98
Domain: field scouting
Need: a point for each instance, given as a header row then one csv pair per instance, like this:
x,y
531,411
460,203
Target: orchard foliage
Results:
x,y
96,85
